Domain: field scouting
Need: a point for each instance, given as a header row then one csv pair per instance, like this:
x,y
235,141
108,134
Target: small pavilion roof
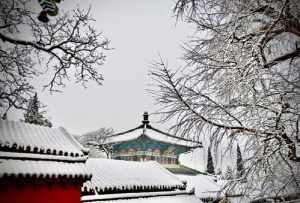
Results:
x,y
153,133
28,150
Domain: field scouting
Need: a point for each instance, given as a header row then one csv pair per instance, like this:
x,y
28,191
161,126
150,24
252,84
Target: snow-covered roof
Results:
x,y
145,129
146,197
181,169
42,169
28,150
117,175
152,133
204,185
23,137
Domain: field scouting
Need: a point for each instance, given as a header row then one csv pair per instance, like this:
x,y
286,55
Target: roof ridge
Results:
x,y
18,136
127,131
72,139
164,141
173,136
148,126
28,124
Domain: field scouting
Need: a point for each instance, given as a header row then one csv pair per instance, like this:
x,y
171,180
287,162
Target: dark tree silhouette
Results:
x,y
210,164
239,162
33,114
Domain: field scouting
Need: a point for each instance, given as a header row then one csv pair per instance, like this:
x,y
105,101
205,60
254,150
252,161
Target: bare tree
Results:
x,y
241,82
99,140
65,46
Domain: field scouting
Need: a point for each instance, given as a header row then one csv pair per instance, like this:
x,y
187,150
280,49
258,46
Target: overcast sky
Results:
x,y
139,30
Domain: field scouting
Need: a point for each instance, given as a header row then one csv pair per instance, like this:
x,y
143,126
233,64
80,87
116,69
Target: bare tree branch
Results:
x,y
67,45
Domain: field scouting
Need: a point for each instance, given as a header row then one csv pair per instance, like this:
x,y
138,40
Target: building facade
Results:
x,y
145,143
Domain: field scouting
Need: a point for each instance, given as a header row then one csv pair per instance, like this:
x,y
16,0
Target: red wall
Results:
x,y
39,193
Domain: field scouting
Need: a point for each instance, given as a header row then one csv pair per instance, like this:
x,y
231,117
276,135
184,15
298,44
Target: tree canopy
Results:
x,y
241,82
99,140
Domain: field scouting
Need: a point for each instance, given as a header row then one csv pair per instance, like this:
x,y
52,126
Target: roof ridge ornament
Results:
x,y
145,118
145,122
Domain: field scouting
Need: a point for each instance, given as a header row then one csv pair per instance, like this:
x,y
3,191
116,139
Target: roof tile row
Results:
x,y
116,175
22,137
28,150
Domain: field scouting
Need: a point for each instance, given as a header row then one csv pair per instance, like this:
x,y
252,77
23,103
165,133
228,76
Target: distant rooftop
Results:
x,y
145,129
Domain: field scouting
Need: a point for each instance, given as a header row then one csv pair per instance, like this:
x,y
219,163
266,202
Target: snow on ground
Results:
x,y
144,197
155,199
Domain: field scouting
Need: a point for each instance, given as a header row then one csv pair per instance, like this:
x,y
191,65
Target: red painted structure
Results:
x,y
13,192
40,164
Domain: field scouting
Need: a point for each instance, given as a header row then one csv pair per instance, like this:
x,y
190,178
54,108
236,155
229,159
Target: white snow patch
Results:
x,y
125,175
204,185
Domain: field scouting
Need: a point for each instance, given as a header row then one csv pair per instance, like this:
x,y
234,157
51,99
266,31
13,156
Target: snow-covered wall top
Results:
x,y
204,185
43,169
22,137
115,175
149,197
